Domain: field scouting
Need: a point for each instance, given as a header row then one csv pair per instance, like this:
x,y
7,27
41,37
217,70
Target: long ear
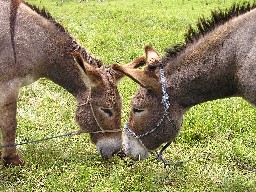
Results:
x,y
136,63
90,75
151,55
145,78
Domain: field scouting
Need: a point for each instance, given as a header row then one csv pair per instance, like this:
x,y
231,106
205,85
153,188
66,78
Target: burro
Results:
x,y
32,46
217,60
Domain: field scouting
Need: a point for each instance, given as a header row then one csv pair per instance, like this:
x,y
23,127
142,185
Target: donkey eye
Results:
x,y
107,111
135,110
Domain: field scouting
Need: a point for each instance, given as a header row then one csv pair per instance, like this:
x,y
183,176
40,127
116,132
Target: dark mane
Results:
x,y
73,44
43,12
204,26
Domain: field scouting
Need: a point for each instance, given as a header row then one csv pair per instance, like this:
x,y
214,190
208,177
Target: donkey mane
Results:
x,y
73,44
204,26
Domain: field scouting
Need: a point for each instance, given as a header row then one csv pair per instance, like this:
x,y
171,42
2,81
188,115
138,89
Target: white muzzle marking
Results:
x,y
107,147
133,148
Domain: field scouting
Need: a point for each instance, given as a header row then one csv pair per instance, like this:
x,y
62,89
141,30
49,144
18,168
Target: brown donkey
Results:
x,y
32,46
217,61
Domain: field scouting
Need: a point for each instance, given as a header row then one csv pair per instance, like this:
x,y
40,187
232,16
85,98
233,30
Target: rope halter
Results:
x,y
93,113
88,101
166,105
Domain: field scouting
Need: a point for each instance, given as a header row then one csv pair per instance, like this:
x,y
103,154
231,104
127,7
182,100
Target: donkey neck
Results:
x,y
50,50
206,69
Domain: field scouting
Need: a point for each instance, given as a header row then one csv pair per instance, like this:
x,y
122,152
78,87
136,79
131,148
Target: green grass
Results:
x,y
117,31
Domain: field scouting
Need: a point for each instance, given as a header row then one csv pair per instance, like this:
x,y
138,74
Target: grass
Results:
x,y
117,31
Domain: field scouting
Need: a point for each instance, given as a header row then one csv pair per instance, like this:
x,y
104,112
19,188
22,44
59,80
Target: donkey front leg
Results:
x,y
8,125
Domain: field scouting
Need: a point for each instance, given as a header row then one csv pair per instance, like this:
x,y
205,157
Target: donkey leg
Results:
x,y
8,125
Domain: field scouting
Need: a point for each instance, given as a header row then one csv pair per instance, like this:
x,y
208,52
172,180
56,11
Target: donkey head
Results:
x,y
149,125
99,112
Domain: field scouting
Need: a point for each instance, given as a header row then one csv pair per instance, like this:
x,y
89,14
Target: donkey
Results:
x,y
218,60
33,46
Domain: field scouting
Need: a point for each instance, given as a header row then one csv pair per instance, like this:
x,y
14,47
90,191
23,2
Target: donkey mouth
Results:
x,y
133,148
108,147
107,155
121,154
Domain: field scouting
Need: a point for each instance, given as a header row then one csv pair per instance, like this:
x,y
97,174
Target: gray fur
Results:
x,y
44,49
218,64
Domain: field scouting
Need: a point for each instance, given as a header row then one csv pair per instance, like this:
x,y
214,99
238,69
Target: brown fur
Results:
x,y
42,48
218,63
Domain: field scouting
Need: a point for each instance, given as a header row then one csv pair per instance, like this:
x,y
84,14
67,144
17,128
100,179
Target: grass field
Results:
x,y
117,31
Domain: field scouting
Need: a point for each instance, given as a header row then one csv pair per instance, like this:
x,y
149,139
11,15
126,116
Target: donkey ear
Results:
x,y
144,78
90,75
151,55
136,63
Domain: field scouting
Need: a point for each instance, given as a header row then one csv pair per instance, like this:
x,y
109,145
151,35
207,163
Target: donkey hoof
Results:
x,y
12,161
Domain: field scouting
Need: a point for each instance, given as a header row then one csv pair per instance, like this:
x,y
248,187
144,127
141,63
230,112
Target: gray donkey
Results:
x,y
33,45
218,60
